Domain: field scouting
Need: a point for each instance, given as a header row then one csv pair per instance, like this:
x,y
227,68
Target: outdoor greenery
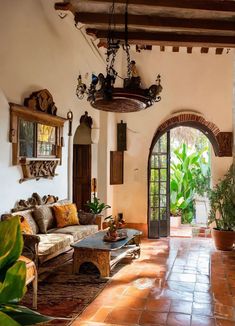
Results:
x,y
190,175
12,278
222,201
96,207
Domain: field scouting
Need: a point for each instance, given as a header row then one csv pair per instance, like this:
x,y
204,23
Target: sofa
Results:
x,y
45,237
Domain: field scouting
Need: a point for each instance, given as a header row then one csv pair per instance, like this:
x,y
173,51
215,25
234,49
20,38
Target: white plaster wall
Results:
x,y
40,50
107,139
198,82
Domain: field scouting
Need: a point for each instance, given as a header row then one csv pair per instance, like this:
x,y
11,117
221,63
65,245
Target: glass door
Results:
x,y
159,188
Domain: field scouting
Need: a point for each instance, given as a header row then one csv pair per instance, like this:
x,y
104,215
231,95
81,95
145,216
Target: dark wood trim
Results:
x,y
18,112
160,38
189,49
64,6
116,167
204,50
33,115
175,49
212,5
155,21
219,51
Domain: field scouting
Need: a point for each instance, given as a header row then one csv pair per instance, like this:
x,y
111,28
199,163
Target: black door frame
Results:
x,y
162,226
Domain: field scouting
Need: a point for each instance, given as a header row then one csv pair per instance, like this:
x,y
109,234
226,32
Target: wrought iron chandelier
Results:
x,y
102,94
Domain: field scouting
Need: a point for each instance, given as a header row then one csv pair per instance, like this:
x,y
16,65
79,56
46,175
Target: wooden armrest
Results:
x,y
31,238
30,249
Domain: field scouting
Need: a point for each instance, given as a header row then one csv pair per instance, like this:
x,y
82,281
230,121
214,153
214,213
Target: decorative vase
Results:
x,y
113,234
224,240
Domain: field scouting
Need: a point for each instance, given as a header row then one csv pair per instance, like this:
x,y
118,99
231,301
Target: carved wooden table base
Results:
x,y
102,259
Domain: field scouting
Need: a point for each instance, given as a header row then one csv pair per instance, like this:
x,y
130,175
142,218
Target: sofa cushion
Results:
x,y
28,216
86,218
25,226
51,243
77,231
43,215
66,215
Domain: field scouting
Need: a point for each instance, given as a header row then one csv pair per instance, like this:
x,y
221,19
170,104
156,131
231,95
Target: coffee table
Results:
x,y
105,255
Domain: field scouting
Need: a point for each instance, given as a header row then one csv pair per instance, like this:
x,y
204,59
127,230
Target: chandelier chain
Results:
x,y
126,45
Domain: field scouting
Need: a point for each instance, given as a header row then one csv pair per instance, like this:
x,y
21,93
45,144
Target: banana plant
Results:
x,y
13,277
188,172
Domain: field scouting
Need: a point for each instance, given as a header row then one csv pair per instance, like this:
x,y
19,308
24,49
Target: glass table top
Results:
x,y
95,241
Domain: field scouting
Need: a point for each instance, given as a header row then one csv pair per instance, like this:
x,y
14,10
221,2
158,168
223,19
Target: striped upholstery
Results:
x,y
31,276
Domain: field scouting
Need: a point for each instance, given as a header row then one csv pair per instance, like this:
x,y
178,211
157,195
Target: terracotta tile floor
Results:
x,y
183,282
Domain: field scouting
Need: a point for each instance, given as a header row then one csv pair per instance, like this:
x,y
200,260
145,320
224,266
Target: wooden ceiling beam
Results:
x,y
204,50
67,6
219,50
175,49
153,21
214,5
173,39
189,49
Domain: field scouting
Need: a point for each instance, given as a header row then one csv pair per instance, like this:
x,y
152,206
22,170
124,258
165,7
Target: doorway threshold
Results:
x,y
183,231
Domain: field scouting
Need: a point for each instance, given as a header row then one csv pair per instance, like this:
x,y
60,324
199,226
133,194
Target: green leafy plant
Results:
x,y
96,207
190,174
13,277
222,202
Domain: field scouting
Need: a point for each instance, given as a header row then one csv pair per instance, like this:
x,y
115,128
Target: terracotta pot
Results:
x,y
224,240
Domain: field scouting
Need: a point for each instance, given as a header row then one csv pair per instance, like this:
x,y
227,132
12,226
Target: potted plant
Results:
x,y
96,207
112,227
222,212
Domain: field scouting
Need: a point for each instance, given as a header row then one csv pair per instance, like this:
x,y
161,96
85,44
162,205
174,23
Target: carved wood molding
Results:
x,y
38,168
42,101
35,199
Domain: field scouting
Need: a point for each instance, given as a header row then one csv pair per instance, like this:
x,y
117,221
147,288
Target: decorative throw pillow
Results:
x,y
28,216
66,215
86,218
25,226
43,215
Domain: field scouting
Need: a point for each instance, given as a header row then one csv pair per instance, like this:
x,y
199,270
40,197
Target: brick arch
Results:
x,y
221,141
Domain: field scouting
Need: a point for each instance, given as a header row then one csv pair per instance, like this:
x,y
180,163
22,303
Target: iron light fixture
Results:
x,y
102,94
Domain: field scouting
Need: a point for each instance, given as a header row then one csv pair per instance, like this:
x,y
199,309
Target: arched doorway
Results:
x,y
159,167
82,163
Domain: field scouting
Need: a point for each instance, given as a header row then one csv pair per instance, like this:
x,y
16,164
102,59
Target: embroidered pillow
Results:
x,y
66,215
43,215
25,226
28,216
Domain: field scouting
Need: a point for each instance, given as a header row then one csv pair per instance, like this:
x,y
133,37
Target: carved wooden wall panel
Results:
x,y
116,167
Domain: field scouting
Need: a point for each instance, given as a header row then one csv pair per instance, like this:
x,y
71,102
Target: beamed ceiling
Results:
x,y
176,23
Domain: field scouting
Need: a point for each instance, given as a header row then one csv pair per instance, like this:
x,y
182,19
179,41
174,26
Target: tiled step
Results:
x,y
201,232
